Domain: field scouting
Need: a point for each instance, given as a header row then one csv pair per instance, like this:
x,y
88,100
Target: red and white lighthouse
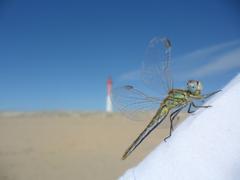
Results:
x,y
109,94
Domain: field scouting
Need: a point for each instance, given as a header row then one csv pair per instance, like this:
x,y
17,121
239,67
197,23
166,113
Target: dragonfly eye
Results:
x,y
192,86
199,86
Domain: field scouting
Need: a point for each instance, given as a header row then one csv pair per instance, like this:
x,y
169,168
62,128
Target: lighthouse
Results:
x,y
109,93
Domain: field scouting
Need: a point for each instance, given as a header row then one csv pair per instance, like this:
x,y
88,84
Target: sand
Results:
x,y
70,145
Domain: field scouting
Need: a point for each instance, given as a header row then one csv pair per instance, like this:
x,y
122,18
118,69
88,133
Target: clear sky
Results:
x,y
58,54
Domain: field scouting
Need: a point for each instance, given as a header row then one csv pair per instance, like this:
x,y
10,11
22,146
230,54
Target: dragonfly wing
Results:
x,y
156,66
134,104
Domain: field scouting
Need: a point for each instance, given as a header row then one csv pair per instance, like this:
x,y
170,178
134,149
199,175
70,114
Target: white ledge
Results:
x,y
206,146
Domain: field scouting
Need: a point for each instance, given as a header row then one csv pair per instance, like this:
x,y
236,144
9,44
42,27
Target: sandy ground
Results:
x,y
70,145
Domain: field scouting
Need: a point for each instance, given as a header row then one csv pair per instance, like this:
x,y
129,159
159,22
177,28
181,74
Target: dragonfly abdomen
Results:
x,y
156,120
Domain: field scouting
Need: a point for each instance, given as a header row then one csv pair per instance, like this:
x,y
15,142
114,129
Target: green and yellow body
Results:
x,y
176,98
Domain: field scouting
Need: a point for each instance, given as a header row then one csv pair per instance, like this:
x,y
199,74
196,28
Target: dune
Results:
x,y
70,145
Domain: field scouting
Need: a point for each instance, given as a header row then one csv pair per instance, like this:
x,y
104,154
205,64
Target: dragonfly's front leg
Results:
x,y
196,106
210,94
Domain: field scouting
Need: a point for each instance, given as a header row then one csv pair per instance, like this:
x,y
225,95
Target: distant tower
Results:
x,y
109,93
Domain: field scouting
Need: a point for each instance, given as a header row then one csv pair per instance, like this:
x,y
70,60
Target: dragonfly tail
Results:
x,y
157,119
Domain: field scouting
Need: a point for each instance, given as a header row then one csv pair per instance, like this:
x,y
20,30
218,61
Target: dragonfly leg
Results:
x,y
196,106
210,94
172,117
189,108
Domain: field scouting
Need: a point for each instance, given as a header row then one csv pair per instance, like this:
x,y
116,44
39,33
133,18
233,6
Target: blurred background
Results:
x,y
56,56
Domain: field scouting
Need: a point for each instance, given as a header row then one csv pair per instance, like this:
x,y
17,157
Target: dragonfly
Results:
x,y
156,73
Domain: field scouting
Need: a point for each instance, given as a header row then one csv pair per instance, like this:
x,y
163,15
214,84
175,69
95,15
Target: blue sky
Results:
x,y
57,54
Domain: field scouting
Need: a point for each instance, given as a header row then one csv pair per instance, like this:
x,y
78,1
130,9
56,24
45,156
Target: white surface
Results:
x,y
206,146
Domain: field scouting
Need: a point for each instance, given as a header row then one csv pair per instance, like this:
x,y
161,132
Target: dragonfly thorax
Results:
x,y
194,87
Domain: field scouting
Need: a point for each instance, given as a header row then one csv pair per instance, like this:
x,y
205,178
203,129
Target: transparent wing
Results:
x,y
156,66
134,104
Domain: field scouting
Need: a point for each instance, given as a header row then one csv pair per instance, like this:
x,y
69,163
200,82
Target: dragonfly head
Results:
x,y
194,87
